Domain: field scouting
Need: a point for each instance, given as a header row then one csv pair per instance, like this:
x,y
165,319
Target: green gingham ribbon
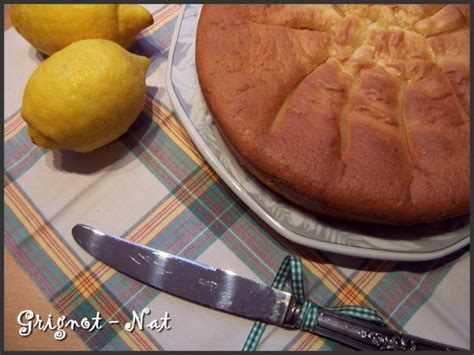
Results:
x,y
292,269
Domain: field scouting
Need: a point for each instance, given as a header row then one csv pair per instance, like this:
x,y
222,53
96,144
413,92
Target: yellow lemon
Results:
x,y
84,96
50,28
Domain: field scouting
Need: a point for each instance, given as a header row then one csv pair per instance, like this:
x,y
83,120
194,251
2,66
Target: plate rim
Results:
x,y
244,196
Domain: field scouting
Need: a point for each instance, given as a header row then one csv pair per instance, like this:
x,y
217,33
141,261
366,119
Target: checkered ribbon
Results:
x,y
292,269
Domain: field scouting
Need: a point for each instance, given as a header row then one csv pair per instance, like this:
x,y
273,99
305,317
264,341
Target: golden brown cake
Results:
x,y
360,112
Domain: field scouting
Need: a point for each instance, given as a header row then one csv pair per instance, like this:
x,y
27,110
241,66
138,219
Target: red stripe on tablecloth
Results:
x,y
170,9
41,230
140,231
179,132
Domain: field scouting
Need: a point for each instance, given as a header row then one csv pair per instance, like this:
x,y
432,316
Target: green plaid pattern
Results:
x,y
291,270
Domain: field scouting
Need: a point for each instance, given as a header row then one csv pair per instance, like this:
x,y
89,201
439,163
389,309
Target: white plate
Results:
x,y
389,243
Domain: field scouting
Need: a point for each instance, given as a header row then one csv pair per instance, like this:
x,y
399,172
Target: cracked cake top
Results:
x,y
355,111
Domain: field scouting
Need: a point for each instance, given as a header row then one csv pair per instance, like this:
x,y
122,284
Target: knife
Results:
x,y
225,291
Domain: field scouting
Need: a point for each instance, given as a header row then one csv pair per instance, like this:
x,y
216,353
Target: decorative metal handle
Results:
x,y
364,335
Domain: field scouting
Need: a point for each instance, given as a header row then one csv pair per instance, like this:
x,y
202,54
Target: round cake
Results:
x,y
359,112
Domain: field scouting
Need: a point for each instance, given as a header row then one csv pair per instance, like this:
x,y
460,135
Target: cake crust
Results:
x,y
359,112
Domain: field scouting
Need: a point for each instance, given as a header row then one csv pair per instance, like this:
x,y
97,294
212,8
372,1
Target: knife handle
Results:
x,y
366,335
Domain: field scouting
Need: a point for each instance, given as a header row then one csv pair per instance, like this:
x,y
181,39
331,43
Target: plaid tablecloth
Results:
x,y
153,187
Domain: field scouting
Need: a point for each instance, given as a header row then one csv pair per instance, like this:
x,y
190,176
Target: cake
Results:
x,y
359,112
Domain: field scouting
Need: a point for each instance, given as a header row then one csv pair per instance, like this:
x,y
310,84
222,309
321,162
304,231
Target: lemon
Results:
x,y
84,96
50,28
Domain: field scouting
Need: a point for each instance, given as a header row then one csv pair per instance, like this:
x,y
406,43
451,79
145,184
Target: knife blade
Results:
x,y
226,291
191,280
